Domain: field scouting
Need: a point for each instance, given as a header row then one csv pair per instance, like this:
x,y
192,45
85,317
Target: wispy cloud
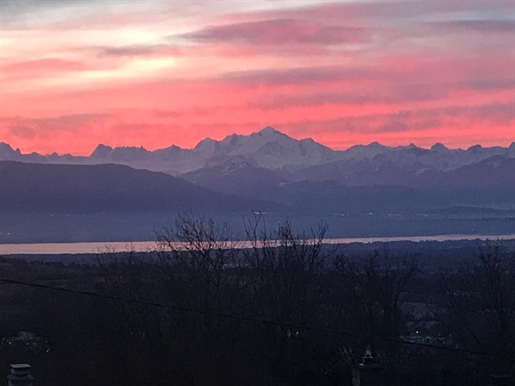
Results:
x,y
51,125
281,32
481,26
138,50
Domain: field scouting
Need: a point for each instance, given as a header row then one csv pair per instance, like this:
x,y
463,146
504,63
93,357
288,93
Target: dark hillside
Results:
x,y
105,188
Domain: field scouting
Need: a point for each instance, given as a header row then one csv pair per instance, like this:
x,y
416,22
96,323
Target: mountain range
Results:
x,y
272,150
302,175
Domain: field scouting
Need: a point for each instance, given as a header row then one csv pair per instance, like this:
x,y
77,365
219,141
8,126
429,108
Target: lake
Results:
x,y
146,246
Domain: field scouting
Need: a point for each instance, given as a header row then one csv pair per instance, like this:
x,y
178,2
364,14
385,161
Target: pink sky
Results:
x,y
155,73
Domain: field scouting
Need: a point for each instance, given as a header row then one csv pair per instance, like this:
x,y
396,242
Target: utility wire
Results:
x,y
244,318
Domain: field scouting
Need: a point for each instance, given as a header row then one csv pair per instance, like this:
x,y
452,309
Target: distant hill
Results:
x,y
237,176
28,187
362,187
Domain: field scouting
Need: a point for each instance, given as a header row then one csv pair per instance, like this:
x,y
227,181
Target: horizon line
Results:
x,y
16,148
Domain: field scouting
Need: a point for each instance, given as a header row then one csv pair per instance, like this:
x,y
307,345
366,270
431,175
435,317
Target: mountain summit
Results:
x,y
268,130
269,149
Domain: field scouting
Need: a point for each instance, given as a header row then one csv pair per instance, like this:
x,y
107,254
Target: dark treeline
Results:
x,y
289,294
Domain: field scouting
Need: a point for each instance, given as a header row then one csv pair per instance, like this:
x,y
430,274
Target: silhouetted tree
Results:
x,y
480,306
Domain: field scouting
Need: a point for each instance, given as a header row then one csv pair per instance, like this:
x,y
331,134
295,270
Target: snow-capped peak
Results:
x,y
365,151
5,147
266,131
101,151
439,148
7,152
205,144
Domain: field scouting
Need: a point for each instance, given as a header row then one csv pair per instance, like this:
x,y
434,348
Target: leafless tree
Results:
x,y
286,271
202,270
480,304
370,292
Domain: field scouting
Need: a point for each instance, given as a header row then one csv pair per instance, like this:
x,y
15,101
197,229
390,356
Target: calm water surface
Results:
x,y
145,246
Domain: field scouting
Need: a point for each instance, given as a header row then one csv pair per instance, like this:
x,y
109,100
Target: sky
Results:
x,y
152,73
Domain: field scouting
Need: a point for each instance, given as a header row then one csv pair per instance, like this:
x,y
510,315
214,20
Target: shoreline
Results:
x,y
149,246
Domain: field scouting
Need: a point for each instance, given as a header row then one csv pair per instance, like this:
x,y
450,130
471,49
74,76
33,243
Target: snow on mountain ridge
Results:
x,y
439,148
8,153
268,147
101,151
273,150
5,147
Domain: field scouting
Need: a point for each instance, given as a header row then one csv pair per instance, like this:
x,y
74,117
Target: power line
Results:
x,y
244,318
